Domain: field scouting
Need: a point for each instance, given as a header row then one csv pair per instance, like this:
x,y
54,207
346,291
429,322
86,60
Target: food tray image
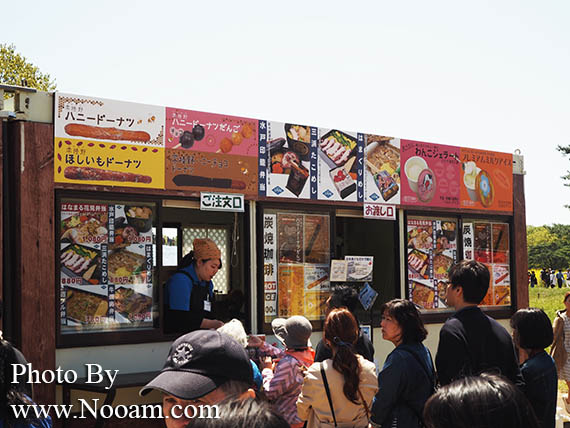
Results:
x,y
442,294
418,262
83,307
382,156
299,139
79,261
336,147
502,295
420,237
441,265
423,295
84,228
130,303
123,263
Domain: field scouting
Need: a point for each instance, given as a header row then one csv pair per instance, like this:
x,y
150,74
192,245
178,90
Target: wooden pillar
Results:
x,y
33,210
519,242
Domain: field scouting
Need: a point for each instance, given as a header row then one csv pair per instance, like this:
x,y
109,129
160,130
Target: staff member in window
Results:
x,y
189,292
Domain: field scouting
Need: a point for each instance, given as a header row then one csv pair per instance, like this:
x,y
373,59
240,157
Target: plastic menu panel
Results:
x,y
106,266
432,250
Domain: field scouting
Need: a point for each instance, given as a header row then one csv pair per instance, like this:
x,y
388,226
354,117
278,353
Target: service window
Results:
x,y
105,265
296,264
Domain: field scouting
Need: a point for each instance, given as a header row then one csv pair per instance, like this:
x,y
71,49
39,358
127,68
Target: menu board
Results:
x,y
382,172
488,243
106,265
287,158
430,174
340,160
206,151
432,250
296,257
486,180
107,142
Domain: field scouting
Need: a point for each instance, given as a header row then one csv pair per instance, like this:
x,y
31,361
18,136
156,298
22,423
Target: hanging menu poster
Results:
x,y
382,172
106,265
491,247
206,151
432,250
430,174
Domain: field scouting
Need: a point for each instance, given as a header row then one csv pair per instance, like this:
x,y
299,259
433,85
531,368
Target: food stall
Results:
x,y
111,195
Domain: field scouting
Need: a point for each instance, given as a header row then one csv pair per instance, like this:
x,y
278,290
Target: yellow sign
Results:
x,y
112,164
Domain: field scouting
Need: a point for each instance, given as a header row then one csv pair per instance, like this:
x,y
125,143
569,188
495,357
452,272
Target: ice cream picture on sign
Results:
x,y
478,183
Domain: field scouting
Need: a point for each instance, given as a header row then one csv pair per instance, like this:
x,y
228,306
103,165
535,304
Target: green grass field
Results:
x,y
549,300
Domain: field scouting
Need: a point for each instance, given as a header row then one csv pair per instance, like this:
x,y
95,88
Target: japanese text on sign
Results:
x,y
221,202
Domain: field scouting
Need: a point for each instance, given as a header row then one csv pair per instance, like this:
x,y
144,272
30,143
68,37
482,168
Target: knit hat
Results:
x,y
200,362
205,249
294,332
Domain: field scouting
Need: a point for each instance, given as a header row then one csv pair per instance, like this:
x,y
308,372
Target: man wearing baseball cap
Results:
x,y
203,367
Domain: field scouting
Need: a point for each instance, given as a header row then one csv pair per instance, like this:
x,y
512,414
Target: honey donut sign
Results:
x,y
107,142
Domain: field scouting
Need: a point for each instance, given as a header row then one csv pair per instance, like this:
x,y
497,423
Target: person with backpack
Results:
x,y
407,379
283,379
189,292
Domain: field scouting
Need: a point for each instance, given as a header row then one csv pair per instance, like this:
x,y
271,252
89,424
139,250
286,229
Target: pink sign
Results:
x,y
430,174
210,133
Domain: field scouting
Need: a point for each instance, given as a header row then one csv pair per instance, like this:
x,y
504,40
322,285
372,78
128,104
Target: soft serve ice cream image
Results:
x,y
469,178
478,183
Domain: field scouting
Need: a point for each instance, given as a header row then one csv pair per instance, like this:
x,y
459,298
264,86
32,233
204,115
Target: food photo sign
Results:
x,y
340,165
430,174
432,250
486,180
382,172
107,142
287,162
106,264
210,151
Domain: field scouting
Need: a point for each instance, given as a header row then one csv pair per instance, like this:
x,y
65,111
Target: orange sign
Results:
x,y
486,180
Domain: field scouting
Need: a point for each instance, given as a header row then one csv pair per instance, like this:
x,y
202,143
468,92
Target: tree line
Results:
x,y
548,246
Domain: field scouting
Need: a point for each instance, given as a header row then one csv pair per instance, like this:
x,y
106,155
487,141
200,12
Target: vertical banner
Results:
x,y
314,162
262,159
270,266
360,168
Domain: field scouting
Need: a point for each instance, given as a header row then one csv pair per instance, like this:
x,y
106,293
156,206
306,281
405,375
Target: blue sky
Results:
x,y
491,75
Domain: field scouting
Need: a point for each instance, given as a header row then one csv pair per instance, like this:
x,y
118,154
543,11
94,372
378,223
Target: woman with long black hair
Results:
x,y
11,394
339,391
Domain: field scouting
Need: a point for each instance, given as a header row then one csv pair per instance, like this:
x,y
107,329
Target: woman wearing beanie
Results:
x,y
189,292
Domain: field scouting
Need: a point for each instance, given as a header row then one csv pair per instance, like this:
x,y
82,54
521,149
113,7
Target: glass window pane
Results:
x,y
169,246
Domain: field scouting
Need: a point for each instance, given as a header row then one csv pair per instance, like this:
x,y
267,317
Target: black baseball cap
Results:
x,y
200,362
